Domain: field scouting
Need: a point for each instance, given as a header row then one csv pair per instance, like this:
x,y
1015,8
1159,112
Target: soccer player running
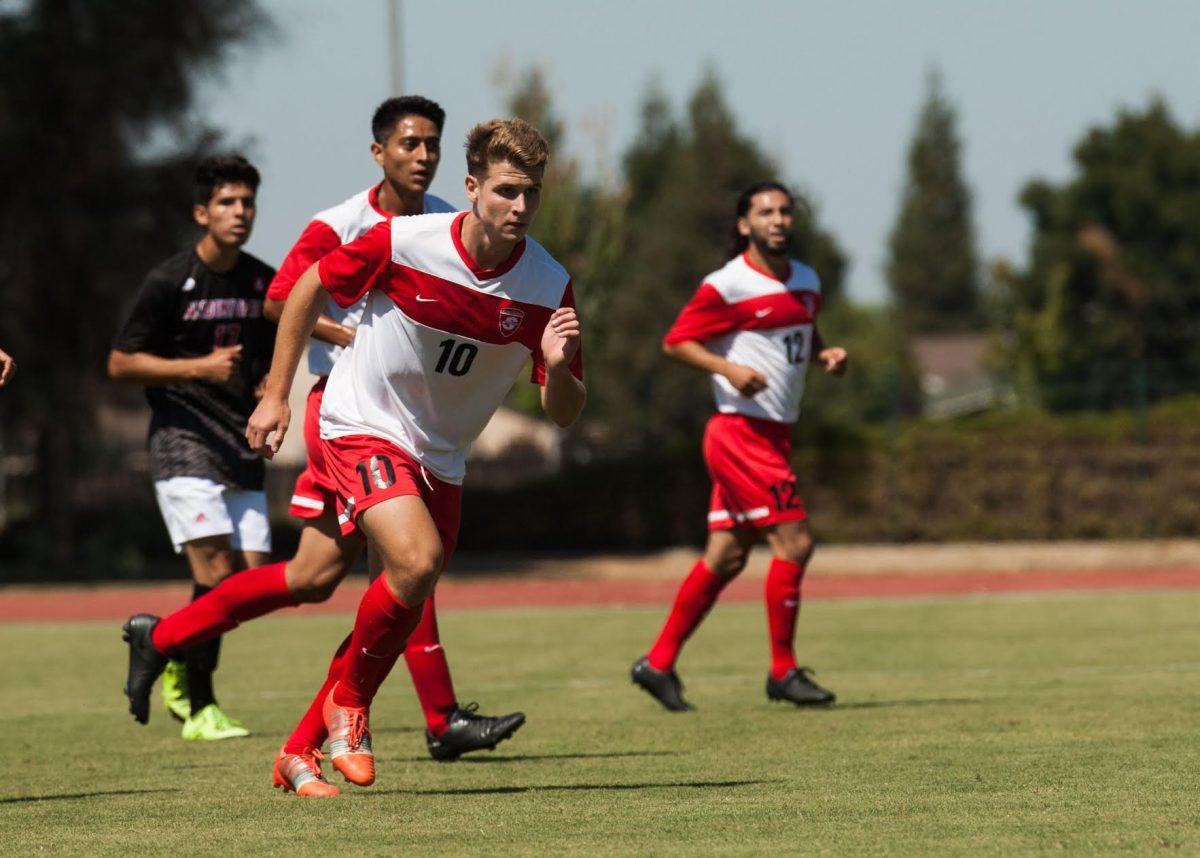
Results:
x,y
752,327
406,144
198,340
457,303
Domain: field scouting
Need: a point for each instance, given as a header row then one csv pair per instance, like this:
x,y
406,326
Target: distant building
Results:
x,y
955,380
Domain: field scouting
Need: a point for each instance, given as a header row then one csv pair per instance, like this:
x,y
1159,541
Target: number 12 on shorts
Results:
x,y
787,495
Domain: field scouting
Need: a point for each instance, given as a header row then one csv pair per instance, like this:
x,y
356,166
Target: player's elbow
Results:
x,y
118,365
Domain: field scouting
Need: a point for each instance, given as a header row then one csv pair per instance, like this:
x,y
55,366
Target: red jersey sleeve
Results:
x,y
349,271
317,240
703,318
538,376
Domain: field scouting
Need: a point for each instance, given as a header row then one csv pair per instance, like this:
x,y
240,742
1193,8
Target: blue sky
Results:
x,y
830,90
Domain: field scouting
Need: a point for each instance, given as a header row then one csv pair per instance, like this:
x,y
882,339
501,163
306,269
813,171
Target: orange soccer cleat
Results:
x,y
349,741
301,774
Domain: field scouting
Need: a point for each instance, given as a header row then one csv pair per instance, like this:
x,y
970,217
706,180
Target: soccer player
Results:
x,y
456,306
407,146
752,327
198,340
8,366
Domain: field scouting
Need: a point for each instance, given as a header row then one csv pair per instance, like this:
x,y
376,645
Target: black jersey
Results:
x,y
185,309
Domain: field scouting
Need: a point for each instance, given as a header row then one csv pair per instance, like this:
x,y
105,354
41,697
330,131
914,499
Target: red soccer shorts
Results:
x,y
315,491
753,484
367,470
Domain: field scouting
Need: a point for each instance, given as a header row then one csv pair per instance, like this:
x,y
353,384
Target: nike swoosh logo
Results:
x,y
759,314
426,300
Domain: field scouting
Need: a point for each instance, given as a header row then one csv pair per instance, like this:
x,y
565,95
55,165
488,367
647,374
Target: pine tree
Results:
x,y
932,267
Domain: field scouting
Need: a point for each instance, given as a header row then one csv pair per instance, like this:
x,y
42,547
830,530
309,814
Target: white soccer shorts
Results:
x,y
195,507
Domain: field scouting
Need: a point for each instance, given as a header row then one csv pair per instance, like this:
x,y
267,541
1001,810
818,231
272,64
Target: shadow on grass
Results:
x,y
889,704
521,758
530,758
516,790
29,799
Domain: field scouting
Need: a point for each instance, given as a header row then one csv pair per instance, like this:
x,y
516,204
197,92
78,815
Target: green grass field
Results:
x,y
987,725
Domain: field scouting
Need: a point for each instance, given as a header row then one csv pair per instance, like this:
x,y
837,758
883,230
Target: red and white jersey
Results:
x,y
751,317
441,340
327,231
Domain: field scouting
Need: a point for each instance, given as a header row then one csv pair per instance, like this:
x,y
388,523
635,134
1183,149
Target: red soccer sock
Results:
x,y
430,671
381,628
311,732
783,604
696,597
240,597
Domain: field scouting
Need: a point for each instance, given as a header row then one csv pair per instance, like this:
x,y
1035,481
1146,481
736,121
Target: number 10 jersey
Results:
x,y
441,339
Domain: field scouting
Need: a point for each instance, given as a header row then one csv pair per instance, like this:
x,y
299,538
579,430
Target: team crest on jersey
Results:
x,y
510,320
809,300
259,284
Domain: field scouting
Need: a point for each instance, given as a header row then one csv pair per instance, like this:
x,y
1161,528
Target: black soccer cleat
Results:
x,y
797,687
469,732
664,686
145,664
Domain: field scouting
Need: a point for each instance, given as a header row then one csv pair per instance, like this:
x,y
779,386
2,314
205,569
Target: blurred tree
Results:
x,y
1112,288
682,180
580,224
83,87
932,266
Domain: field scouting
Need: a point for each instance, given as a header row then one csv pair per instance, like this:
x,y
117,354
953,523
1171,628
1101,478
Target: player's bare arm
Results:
x,y
746,380
563,395
145,368
327,329
269,422
8,366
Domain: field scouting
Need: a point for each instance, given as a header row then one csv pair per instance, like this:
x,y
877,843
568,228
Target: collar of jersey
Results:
x,y
472,265
766,272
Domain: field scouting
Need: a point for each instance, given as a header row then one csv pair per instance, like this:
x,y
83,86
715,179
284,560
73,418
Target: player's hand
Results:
x,y
219,367
745,380
560,340
834,360
8,367
271,415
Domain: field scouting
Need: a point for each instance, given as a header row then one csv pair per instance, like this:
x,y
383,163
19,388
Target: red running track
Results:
x,y
43,604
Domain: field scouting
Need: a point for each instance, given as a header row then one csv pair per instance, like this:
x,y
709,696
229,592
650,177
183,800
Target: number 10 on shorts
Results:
x,y
376,472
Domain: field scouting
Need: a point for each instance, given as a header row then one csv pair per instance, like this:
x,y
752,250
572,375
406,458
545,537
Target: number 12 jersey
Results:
x,y
753,318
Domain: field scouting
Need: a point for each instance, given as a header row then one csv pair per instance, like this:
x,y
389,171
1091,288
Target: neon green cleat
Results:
x,y
175,690
211,725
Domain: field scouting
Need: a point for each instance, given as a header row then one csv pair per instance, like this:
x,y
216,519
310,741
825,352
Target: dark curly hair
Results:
x,y
388,114
219,170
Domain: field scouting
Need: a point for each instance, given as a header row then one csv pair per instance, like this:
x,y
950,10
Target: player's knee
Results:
x,y
415,569
319,586
797,548
727,564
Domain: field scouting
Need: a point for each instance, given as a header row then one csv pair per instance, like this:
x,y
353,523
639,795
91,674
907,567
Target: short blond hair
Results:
x,y
512,140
